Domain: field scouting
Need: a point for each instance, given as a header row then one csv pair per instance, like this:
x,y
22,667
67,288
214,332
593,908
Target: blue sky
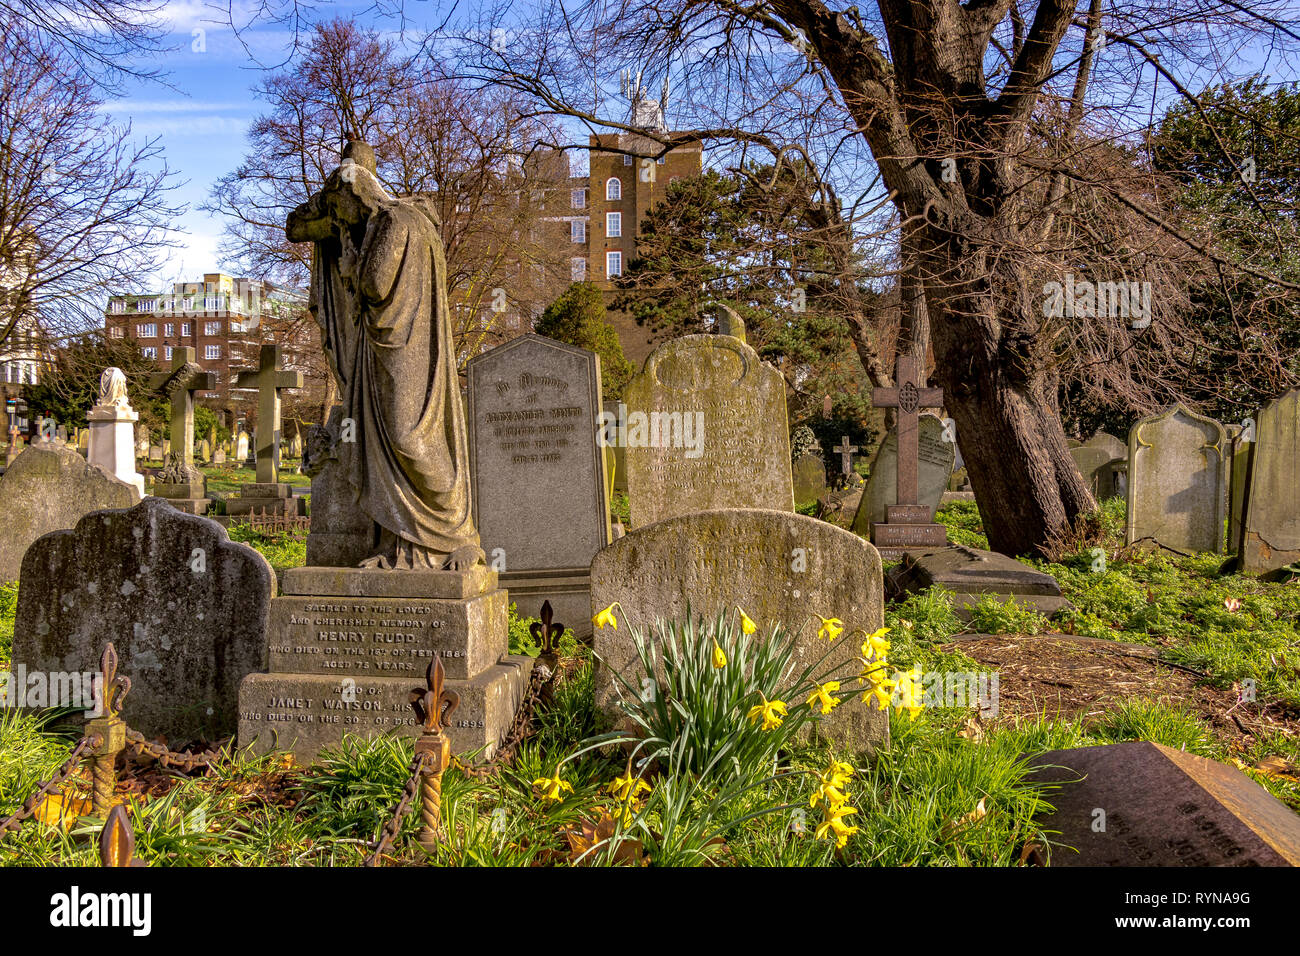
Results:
x,y
202,114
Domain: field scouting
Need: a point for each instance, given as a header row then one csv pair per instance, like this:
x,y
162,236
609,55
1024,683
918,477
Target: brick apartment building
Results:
x,y
609,203
221,318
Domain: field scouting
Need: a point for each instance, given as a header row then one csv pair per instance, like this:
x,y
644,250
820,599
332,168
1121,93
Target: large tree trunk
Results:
x,y
1026,484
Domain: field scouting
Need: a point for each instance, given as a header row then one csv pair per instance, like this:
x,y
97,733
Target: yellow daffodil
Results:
x,y
908,693
719,658
874,671
746,625
832,627
837,774
834,825
627,787
606,617
822,695
771,712
551,787
882,691
830,797
875,646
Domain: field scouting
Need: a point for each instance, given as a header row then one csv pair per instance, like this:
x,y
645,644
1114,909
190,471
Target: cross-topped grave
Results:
x,y
180,482
846,455
269,379
268,493
907,524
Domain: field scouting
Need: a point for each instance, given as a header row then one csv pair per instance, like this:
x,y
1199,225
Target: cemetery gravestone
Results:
x,y
341,534
1096,469
970,574
809,480
1176,481
1111,478
617,411
348,643
111,436
180,482
845,451
1238,471
706,428
537,471
1161,807
934,461
268,494
780,568
158,583
1270,527
241,447
908,523
48,488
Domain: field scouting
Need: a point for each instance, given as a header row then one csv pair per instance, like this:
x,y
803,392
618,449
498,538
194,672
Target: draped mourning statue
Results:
x,y
379,293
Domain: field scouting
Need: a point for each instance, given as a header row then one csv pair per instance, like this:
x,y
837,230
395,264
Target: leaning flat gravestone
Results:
x,y
1176,482
537,474
1144,804
779,567
809,479
1270,533
186,608
934,468
706,428
971,574
47,488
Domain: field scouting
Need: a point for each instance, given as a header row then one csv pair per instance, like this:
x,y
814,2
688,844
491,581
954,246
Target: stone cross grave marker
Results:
x,y
907,523
846,455
179,385
269,379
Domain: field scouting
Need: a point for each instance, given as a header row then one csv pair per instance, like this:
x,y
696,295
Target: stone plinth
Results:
x,y
347,645
111,444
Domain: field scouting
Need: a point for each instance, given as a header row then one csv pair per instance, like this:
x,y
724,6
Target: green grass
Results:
x,y
917,800
283,550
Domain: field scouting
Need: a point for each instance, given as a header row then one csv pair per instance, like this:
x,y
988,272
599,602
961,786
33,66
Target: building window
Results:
x,y
146,331
212,351
116,332
211,328
577,269
613,188
117,305
627,159
613,224
144,305
613,264
150,352
185,329
578,198
577,231
169,329
211,303
167,352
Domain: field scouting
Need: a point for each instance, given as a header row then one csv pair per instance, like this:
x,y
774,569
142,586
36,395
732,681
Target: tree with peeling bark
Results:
x,y
1009,139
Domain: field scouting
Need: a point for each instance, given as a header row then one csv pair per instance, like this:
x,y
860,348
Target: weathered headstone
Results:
x,y
241,447
536,466
1177,476
183,485
155,452
1111,478
1144,804
845,451
219,456
706,428
934,460
348,643
779,567
268,494
142,445
341,535
1238,471
185,607
809,480
1096,467
205,450
48,488
111,436
1270,527
970,575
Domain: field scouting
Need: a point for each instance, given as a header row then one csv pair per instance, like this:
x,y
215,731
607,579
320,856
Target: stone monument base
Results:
x,y
272,498
189,497
971,575
347,645
907,528
568,590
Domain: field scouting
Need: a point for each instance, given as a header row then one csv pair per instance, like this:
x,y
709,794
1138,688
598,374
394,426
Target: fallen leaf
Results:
x,y
588,835
60,810
1232,604
1277,768
953,827
973,731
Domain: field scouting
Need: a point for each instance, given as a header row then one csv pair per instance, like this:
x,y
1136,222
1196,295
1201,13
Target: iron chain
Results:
x,y
61,775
